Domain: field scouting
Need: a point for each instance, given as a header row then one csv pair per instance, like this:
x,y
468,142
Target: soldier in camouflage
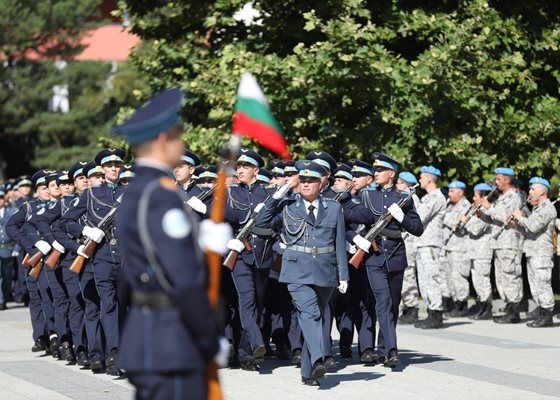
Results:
x,y
505,244
537,229
428,247
455,248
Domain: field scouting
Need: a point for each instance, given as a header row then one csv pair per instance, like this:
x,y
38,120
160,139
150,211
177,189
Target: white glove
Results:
x,y
258,207
80,251
58,247
281,192
93,233
396,212
350,248
43,247
236,245
221,358
196,204
214,237
362,243
343,286
15,253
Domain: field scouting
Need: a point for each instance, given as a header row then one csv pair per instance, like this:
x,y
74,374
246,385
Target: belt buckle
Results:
x,y
314,250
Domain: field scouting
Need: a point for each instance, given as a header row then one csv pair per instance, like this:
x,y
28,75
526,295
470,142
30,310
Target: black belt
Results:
x,y
151,299
391,234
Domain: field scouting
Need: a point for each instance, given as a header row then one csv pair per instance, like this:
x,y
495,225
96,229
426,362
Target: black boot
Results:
x,y
485,311
53,346
410,317
448,304
434,320
545,320
536,313
474,309
511,316
460,310
66,352
39,345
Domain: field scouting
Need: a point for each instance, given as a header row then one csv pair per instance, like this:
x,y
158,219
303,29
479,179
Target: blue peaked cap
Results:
x,y
157,115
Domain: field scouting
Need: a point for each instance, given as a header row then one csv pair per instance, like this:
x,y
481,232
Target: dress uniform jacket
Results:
x,y
391,247
7,244
241,202
25,236
315,253
96,203
181,335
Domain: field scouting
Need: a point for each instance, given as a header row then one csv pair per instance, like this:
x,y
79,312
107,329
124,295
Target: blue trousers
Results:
x,y
386,287
362,308
250,283
38,322
171,386
91,313
105,274
310,302
59,301
76,304
20,288
46,300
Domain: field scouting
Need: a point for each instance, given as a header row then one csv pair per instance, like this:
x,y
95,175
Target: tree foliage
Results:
x,y
466,85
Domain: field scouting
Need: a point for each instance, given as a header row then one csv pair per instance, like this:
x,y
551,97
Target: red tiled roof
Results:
x,y
107,43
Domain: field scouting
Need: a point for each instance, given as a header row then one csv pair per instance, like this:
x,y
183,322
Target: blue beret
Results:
x,y
538,179
264,176
190,158
109,155
157,115
504,171
430,169
322,158
384,161
457,185
483,187
310,169
343,171
91,168
77,169
277,167
408,177
360,167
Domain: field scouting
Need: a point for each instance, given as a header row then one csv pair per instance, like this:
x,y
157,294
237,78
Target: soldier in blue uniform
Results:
x,y
314,262
126,175
329,164
67,297
40,307
170,333
251,271
385,268
7,247
277,172
184,175
96,204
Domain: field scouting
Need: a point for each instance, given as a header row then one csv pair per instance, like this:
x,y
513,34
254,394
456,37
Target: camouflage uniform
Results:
x,y
480,253
410,292
428,247
506,247
456,251
537,229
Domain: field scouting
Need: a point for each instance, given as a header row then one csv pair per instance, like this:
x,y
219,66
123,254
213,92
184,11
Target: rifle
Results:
x,y
376,229
340,195
33,260
25,261
471,212
231,258
52,258
206,193
90,245
36,270
509,221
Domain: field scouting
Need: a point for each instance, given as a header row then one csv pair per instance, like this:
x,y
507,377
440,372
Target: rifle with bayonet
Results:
x,y
471,212
90,245
376,229
243,235
510,220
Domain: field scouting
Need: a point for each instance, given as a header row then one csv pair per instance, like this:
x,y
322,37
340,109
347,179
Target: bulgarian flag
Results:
x,y
253,118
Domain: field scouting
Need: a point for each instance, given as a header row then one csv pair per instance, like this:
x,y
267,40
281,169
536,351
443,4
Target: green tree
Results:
x,y
466,85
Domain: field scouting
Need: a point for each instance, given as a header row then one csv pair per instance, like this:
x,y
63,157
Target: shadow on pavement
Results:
x,y
332,380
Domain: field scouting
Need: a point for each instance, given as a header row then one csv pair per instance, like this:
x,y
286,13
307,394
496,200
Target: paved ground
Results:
x,y
466,360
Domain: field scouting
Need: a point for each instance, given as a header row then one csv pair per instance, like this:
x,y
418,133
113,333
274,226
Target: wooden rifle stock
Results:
x,y
78,264
25,261
359,255
52,258
36,270
229,261
33,260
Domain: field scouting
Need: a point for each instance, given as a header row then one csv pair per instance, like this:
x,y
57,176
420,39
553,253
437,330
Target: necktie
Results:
x,y
311,214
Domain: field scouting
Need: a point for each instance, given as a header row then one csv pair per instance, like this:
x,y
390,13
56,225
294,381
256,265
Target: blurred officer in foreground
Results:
x,y
171,332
